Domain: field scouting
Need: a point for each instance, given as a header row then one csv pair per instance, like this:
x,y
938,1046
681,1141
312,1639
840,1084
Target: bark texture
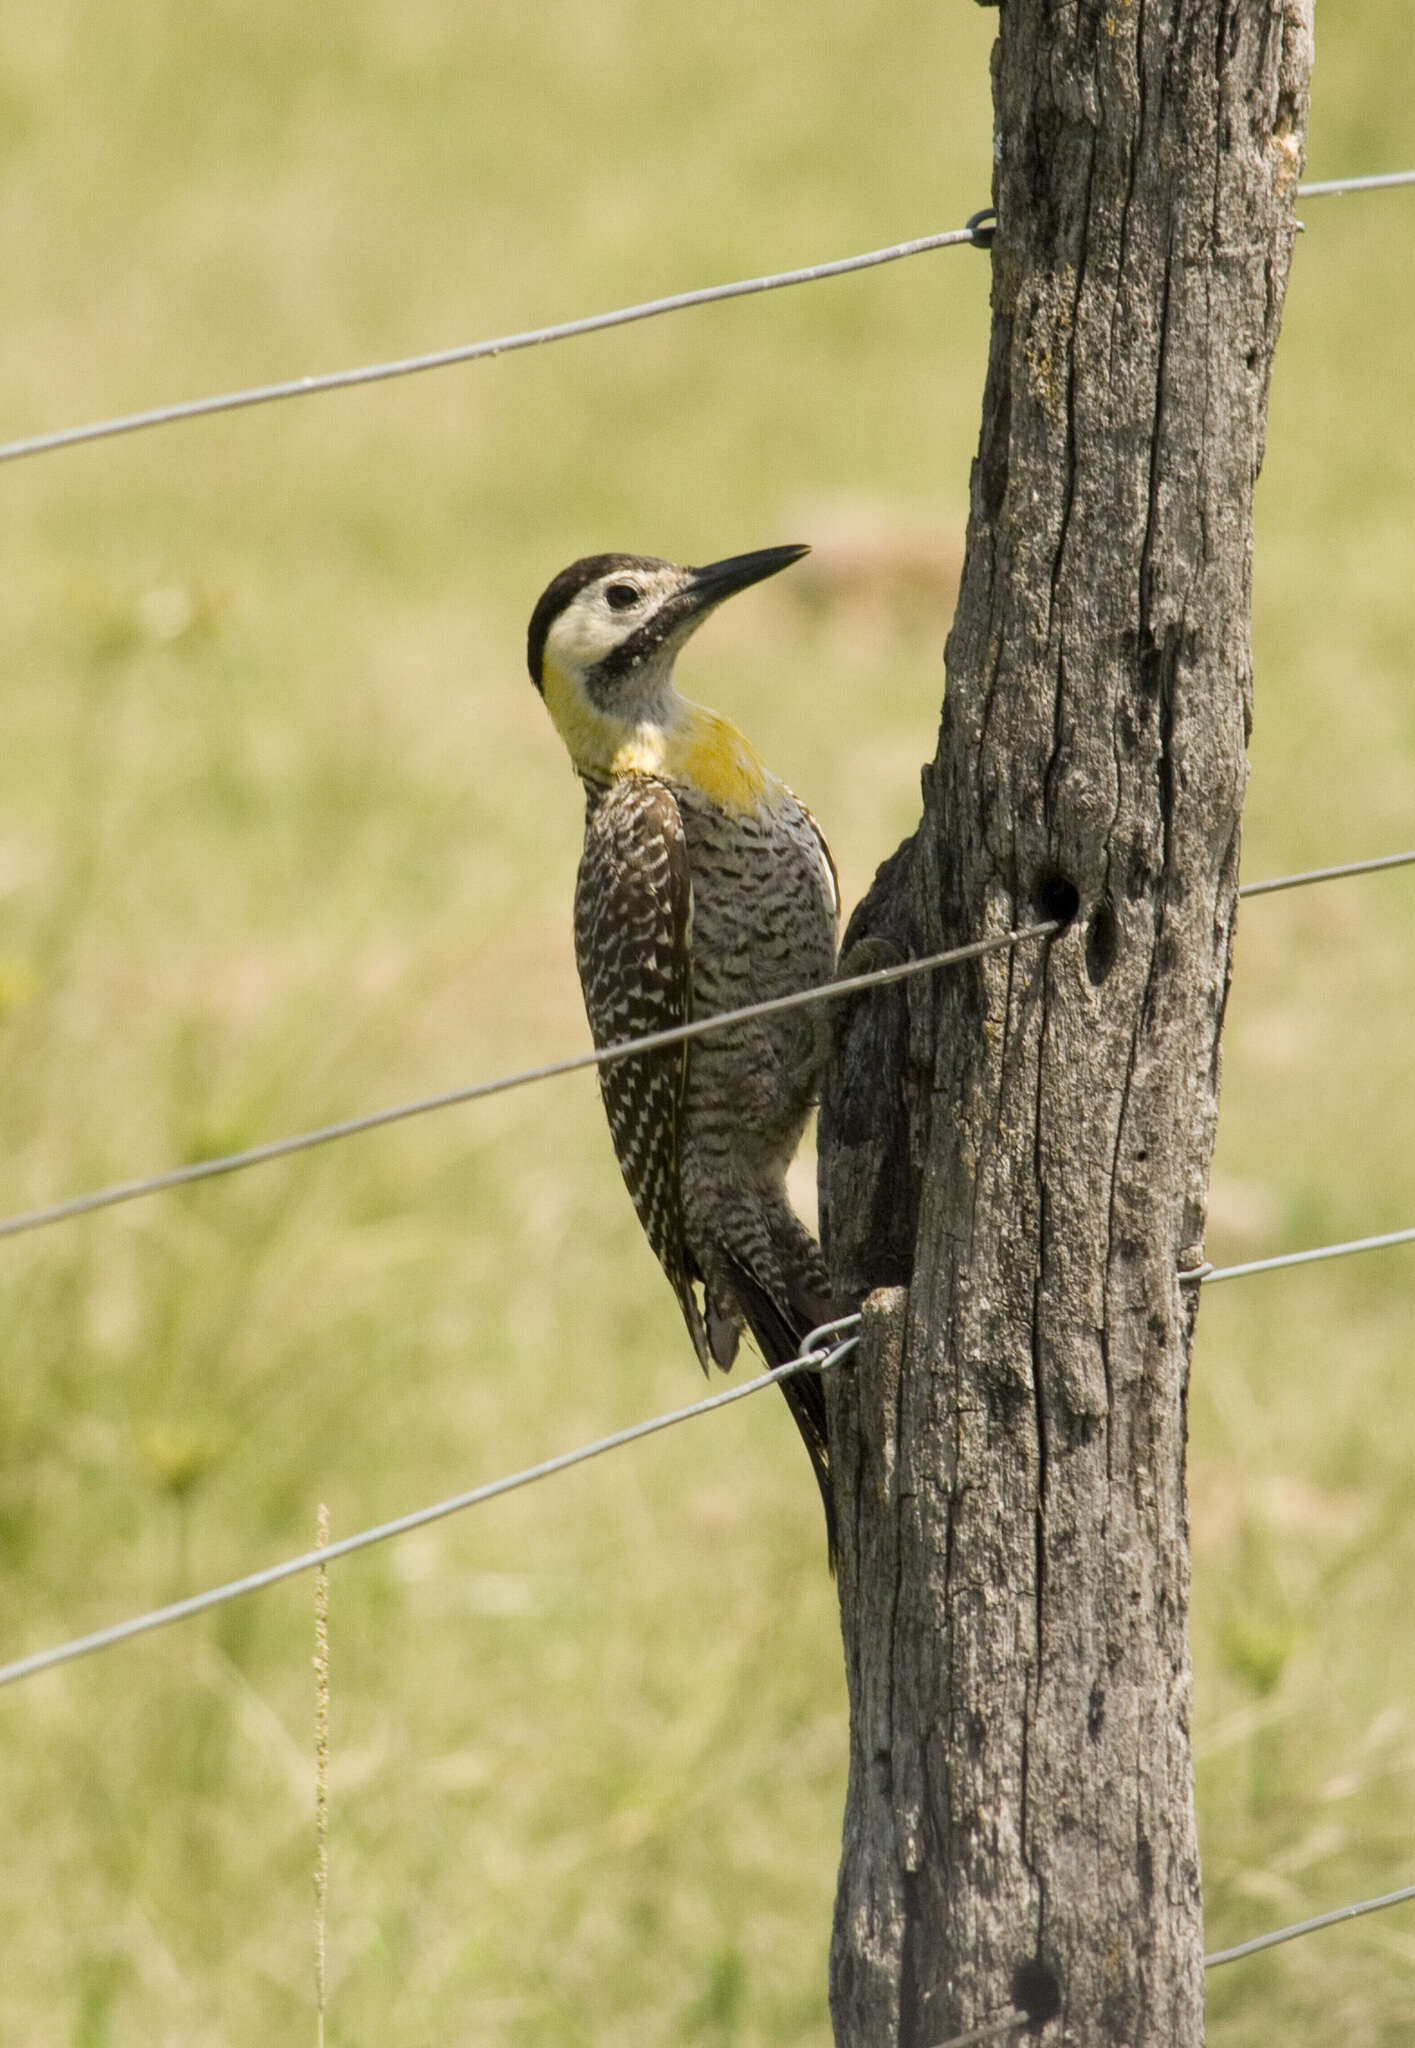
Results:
x,y
1019,1149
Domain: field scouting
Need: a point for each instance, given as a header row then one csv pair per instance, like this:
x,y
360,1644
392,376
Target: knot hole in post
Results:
x,y
1036,1992
1056,896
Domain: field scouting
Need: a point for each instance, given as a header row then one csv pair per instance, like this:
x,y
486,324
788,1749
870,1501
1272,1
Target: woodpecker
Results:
x,y
704,886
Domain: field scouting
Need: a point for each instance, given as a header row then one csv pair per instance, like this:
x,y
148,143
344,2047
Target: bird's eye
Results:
x,y
621,597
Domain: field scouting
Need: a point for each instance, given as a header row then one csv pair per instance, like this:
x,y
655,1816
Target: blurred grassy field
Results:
x,y
284,835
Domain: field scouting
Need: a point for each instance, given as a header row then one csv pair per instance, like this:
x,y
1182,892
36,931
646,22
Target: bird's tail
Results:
x,y
780,1328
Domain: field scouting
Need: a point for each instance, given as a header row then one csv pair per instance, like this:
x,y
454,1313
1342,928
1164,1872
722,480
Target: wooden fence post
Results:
x,y
1020,1148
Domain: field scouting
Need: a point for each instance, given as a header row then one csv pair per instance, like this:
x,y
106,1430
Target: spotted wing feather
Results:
x,y
633,945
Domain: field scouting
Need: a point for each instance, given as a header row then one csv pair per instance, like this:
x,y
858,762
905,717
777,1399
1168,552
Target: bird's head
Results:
x,y
604,637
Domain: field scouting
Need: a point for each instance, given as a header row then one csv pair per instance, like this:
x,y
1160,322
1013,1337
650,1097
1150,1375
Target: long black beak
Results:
x,y
723,579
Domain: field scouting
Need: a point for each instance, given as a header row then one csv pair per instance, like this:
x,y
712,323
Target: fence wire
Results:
x,y
1312,1926
823,1348
839,1339
478,1091
327,1134
476,351
1332,188
978,232
1210,1275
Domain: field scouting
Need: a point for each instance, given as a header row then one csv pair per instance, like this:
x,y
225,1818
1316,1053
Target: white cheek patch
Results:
x,y
579,638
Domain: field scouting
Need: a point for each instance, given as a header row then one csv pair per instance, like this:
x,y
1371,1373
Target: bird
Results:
x,y
704,885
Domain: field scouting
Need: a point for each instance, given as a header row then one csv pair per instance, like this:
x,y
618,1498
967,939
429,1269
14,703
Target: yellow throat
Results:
x,y
687,744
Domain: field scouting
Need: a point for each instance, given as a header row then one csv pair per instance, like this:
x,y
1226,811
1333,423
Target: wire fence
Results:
x,y
29,1220
821,1349
478,1091
975,233
978,233
825,1347
839,1339
1334,188
1210,1275
1299,1928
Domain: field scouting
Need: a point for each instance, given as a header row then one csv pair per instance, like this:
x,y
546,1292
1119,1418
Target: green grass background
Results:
x,y
285,834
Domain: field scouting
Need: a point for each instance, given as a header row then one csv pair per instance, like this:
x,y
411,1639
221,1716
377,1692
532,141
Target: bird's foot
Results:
x,y
868,956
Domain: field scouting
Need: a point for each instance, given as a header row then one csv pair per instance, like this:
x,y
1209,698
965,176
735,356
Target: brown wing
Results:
x,y
633,945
